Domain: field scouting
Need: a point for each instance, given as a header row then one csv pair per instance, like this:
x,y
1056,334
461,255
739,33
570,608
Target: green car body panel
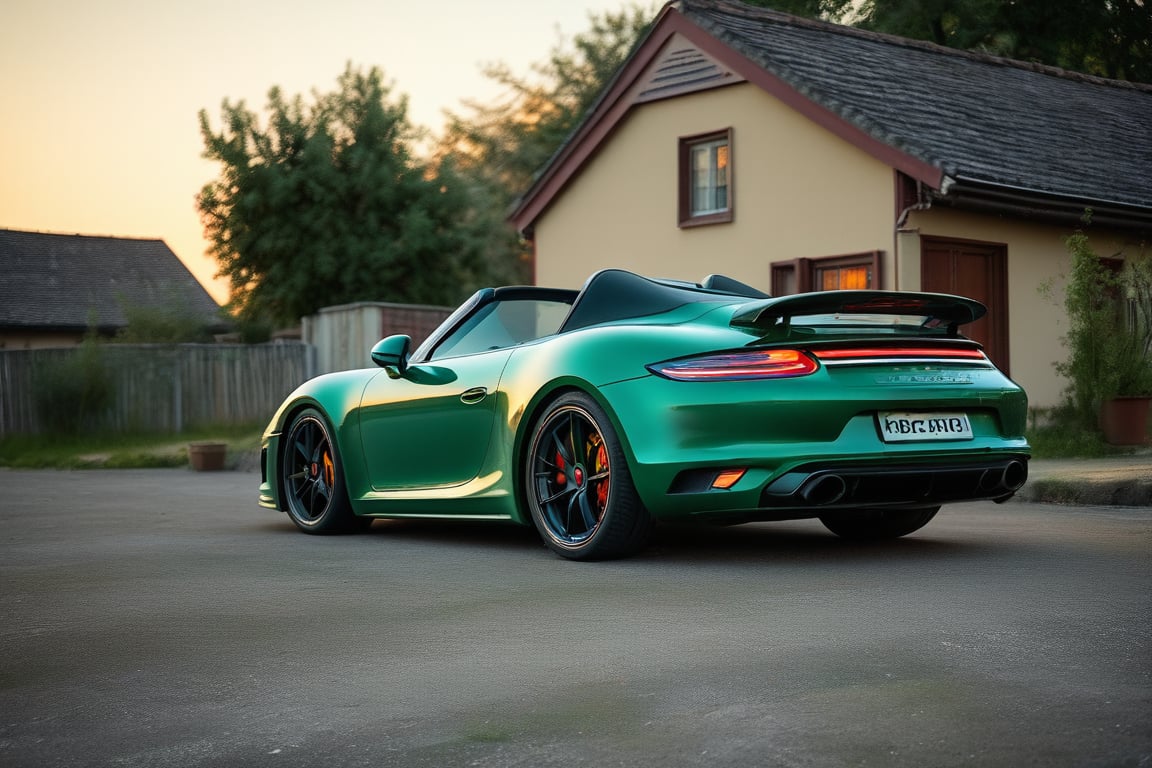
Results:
x,y
446,437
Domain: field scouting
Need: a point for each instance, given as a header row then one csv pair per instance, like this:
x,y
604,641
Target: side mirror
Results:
x,y
392,353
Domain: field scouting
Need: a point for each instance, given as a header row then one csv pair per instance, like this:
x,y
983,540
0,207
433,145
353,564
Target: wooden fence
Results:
x,y
343,336
160,388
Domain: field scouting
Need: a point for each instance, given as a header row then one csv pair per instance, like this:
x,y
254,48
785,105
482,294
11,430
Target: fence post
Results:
x,y
177,395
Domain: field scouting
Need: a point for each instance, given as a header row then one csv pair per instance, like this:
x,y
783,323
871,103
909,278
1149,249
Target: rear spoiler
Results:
x,y
938,308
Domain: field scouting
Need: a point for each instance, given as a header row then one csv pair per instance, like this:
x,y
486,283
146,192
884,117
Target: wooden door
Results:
x,y
979,271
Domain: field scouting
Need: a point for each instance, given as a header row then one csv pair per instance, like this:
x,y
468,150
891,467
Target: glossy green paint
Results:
x,y
431,428
427,444
392,352
776,425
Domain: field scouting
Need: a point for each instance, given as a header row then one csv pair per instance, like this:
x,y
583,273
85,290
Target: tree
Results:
x,y
513,138
500,147
326,204
172,321
1109,38
825,10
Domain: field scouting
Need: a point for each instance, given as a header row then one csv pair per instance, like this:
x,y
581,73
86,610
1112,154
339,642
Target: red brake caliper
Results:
x,y
329,470
602,488
560,477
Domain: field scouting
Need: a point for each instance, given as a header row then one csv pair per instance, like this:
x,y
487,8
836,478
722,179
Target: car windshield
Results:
x,y
503,323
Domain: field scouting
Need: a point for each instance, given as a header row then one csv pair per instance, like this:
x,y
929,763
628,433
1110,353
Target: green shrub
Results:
x,y
73,393
1110,331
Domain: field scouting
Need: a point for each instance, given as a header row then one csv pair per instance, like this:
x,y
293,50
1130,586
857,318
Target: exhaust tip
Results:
x,y
824,490
1015,475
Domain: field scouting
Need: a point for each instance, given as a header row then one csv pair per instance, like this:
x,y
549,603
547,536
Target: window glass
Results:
x,y
503,324
855,277
709,172
852,272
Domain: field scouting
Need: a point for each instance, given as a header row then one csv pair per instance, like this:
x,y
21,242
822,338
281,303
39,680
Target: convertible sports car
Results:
x,y
592,414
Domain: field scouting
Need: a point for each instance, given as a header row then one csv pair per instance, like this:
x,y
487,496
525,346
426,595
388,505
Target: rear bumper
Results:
x,y
828,486
807,448
817,487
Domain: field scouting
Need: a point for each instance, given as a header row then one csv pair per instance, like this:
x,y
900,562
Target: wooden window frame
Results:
x,y
804,270
685,218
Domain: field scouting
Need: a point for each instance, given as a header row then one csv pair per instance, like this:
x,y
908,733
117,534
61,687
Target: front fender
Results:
x,y
337,396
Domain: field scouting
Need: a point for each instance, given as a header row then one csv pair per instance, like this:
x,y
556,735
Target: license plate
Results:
x,y
900,427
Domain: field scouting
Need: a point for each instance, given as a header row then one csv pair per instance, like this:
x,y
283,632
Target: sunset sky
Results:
x,y
98,128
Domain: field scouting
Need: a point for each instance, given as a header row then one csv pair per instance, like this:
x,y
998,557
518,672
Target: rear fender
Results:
x,y
527,416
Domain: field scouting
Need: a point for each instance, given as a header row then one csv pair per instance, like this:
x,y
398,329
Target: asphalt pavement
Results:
x,y
160,618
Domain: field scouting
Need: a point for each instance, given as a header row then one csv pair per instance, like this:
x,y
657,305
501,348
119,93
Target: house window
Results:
x,y
858,271
843,277
705,183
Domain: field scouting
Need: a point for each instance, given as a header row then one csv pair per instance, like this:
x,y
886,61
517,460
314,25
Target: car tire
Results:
x,y
312,478
577,484
878,524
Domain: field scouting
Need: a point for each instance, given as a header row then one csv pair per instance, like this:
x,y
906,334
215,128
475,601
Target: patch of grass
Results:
x,y
126,451
1067,441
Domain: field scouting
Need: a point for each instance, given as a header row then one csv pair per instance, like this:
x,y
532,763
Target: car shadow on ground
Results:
x,y
792,541
798,541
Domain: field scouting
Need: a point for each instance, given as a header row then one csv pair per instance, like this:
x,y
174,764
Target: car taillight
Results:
x,y
735,366
899,354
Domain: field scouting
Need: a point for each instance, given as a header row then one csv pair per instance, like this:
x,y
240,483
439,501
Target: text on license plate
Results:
x,y
898,427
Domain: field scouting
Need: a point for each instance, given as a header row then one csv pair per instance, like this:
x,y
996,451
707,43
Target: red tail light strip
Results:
x,y
861,355
734,366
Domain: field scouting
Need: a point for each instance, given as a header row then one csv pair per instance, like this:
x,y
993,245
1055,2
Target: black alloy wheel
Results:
x,y
313,480
578,486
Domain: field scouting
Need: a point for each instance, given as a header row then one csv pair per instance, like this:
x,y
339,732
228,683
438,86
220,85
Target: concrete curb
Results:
x,y
1123,481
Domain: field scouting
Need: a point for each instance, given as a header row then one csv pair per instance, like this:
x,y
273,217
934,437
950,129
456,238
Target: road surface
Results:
x,y
161,618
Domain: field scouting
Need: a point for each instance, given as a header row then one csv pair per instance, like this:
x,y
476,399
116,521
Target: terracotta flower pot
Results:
x,y
207,457
1124,420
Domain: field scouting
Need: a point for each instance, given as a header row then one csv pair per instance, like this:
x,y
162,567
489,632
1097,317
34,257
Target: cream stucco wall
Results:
x,y
799,192
1037,264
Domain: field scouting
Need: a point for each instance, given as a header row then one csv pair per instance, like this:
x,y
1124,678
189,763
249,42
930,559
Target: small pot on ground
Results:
x,y
1124,420
207,456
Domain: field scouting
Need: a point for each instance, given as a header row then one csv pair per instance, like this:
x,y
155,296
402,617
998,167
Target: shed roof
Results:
x,y
964,124
69,282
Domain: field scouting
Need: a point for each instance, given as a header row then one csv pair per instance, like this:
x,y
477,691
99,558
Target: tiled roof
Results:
x,y
976,130
69,281
975,117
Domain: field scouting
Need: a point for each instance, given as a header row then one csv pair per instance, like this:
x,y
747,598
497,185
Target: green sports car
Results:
x,y
592,414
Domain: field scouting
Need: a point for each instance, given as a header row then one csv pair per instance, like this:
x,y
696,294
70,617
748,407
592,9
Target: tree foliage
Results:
x,y
73,392
326,204
500,146
1109,38
175,321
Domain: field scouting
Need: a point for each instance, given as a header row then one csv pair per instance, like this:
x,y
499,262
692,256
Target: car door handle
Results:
x,y
474,395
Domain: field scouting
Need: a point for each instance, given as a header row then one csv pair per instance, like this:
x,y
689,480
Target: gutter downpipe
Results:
x,y
923,203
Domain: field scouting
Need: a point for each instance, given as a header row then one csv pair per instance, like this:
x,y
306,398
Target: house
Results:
x,y
799,155
55,287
